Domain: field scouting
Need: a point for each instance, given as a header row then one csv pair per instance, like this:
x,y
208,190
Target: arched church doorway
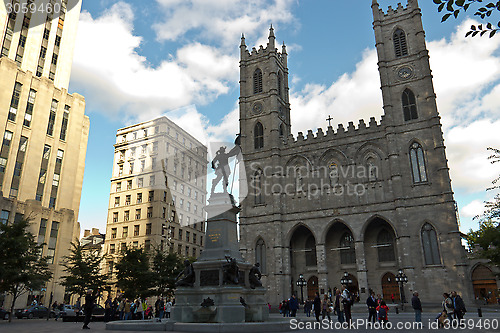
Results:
x,y
302,253
485,284
390,287
312,287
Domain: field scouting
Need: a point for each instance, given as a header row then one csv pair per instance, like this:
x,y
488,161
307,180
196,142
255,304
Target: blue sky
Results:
x,y
180,58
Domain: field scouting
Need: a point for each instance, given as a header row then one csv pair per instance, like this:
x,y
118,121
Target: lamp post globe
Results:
x,y
301,282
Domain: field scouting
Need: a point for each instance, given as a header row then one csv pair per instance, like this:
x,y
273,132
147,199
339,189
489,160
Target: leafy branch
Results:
x,y
454,7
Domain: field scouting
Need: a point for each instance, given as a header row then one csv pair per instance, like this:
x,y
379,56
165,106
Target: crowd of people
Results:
x,y
340,302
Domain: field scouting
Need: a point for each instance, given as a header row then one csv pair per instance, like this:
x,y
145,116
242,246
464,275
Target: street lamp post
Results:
x,y
401,279
301,282
346,281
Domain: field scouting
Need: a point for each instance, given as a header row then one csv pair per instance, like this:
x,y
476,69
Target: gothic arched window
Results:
x,y
347,252
257,81
430,245
409,105
280,81
372,169
385,246
334,174
400,47
260,254
417,163
258,133
310,250
257,187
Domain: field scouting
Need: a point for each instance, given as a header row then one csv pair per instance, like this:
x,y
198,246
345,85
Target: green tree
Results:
x,y
83,268
454,7
22,268
486,240
166,268
133,273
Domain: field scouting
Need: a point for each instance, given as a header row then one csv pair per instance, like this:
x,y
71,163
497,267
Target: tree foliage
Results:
x,y
133,274
22,268
484,11
83,268
166,268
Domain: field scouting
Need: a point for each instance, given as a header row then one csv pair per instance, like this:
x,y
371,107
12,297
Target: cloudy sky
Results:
x,y
180,58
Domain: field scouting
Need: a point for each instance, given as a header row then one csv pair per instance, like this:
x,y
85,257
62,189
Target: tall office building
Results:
x,y
44,130
158,191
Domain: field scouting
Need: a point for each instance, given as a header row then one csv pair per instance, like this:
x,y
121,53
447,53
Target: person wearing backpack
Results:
x,y
382,311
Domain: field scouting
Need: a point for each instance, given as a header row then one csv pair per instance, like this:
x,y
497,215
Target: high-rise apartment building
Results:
x,y
44,130
158,190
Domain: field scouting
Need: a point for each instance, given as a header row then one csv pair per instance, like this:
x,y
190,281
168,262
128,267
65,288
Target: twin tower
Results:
x,y
308,213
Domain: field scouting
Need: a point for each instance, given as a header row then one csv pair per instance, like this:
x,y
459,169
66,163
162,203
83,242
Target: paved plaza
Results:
x,y
51,326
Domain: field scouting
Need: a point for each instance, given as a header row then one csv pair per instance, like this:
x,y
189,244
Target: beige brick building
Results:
x,y
368,199
44,131
158,190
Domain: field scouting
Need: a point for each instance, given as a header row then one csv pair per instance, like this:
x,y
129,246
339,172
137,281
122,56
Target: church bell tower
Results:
x,y
264,102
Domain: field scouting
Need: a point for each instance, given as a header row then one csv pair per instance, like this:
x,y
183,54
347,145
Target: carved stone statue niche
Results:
x,y
186,278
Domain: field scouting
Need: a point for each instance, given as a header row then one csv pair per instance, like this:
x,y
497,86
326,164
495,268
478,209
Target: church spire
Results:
x,y
272,39
242,40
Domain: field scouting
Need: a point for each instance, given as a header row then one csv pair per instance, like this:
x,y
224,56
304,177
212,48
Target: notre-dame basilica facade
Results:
x,y
368,199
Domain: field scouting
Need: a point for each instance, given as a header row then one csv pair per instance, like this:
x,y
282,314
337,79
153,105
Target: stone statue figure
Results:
x,y
231,272
255,276
186,278
221,165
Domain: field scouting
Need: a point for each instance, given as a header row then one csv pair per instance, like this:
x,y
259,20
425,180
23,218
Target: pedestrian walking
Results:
x,y
139,311
168,308
107,308
347,301
325,308
339,307
294,306
459,309
307,308
371,303
448,306
317,306
88,307
114,308
417,307
127,310
121,308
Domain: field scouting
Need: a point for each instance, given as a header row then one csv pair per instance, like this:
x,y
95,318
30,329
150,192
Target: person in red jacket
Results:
x,y
382,311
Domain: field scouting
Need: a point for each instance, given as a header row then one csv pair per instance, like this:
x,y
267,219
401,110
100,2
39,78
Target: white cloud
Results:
x,y
221,21
116,79
474,208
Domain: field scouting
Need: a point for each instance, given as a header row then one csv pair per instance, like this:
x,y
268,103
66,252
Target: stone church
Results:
x,y
369,199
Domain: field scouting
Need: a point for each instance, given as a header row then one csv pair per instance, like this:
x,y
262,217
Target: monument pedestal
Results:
x,y
232,303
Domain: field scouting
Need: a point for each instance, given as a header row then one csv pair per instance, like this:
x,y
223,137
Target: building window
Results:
x,y
260,254
409,105
310,250
43,52
140,182
147,245
113,232
347,252
417,163
151,196
257,81
58,41
131,167
258,136
153,163
136,230
164,213
120,170
180,234
430,245
400,47
187,236
118,186
52,242
127,199
14,102
29,108
139,198
52,117
150,212
135,244
4,217
7,138
126,215
54,59
257,185
385,246
280,83
148,228
3,164
125,232
115,217
117,201
151,180
111,248
129,184
137,214
143,165
46,34
64,126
